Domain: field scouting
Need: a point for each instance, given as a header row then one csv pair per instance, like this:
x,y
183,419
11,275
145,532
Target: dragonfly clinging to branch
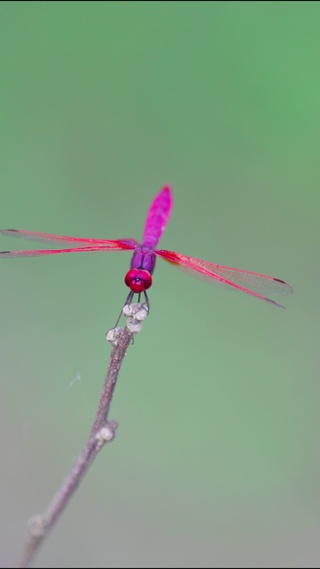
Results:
x,y
139,276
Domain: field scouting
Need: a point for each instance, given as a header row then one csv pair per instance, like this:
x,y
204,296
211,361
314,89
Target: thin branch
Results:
x,y
103,431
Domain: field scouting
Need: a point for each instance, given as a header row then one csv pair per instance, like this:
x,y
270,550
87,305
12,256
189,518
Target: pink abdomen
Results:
x,y
157,218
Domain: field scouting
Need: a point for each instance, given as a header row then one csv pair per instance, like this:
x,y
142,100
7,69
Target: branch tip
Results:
x,y
135,314
136,311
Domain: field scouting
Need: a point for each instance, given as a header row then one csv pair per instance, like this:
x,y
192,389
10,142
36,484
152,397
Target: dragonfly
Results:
x,y
139,276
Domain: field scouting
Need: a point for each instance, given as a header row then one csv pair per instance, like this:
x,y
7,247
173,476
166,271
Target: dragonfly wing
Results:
x,y
256,284
37,252
84,245
116,245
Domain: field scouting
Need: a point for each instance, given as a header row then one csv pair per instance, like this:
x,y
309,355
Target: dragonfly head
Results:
x,y
138,280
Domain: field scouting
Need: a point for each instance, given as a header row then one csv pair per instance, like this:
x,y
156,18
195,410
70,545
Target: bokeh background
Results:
x,y
217,460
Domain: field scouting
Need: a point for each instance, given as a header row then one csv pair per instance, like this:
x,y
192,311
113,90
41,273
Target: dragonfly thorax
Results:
x,y
138,280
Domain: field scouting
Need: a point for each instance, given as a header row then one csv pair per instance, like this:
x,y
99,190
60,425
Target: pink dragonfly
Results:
x,y
139,276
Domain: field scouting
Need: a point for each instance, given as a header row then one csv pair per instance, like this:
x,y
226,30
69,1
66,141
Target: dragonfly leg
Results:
x,y
128,301
147,301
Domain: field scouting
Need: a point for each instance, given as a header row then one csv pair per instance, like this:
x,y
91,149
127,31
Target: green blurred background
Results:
x,y
216,461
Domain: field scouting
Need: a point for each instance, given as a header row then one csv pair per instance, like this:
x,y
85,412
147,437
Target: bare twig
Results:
x,y
102,432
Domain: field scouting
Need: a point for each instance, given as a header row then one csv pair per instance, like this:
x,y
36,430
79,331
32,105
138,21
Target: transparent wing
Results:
x,y
90,244
256,284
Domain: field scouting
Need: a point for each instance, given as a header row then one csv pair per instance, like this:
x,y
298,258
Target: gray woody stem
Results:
x,y
102,432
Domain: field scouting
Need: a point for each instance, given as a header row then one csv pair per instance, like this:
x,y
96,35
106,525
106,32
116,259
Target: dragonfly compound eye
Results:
x,y
138,280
